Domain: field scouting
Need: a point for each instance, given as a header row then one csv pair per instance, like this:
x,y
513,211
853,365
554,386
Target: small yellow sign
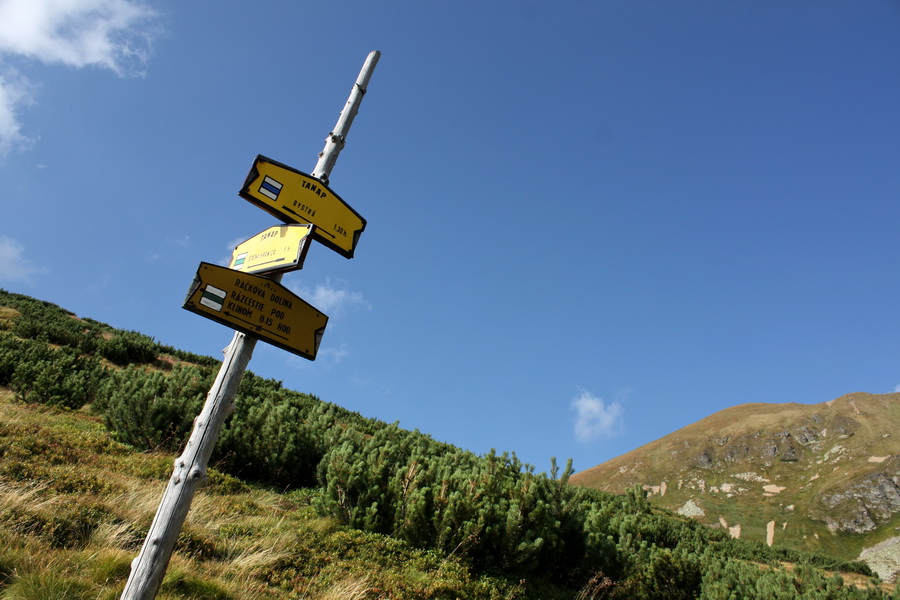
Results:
x,y
276,250
257,306
295,197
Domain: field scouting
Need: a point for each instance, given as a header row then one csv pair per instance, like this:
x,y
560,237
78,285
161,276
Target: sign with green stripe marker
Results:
x,y
213,298
257,306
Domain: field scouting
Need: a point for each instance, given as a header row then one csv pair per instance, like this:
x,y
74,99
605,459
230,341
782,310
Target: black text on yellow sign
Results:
x,y
257,306
276,250
295,197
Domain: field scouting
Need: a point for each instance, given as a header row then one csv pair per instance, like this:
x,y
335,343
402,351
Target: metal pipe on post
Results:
x,y
149,567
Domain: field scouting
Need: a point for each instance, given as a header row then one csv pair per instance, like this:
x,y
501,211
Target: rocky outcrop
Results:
x,y
691,509
866,503
884,559
781,446
806,435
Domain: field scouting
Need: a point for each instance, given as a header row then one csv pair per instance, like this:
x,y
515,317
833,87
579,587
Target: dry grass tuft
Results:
x,y
352,588
242,557
32,496
8,313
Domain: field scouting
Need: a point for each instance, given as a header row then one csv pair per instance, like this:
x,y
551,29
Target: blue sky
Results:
x,y
589,223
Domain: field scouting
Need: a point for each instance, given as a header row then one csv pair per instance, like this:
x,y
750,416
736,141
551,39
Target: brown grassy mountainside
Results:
x,y
821,477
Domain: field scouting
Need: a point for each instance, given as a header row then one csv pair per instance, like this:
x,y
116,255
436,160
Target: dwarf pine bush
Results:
x,y
150,409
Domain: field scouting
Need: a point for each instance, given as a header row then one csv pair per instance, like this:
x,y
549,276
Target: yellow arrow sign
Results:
x,y
276,250
295,197
257,306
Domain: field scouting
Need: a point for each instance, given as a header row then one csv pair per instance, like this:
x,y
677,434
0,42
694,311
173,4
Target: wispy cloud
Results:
x,y
897,388
594,418
328,356
14,267
333,355
225,259
112,34
333,297
169,248
373,387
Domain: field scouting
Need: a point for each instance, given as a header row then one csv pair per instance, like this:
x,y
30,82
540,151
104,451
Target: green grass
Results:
x,y
75,506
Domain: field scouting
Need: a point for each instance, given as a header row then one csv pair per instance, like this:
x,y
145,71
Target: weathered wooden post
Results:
x,y
265,295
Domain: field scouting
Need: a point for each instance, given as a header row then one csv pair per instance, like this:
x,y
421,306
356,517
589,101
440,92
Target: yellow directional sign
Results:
x,y
257,306
295,197
276,250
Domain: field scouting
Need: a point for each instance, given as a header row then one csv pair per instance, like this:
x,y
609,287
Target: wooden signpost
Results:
x,y
258,308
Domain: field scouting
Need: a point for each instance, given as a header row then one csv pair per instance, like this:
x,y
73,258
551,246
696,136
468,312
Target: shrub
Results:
x,y
269,439
152,410
128,347
54,377
10,355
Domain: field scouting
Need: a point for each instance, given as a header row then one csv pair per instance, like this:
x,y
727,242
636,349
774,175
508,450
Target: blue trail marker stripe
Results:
x,y
269,187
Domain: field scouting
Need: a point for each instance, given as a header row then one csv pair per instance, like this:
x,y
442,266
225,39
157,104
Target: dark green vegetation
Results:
x,y
364,509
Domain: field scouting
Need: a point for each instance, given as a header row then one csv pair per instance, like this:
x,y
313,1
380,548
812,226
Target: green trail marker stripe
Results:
x,y
213,297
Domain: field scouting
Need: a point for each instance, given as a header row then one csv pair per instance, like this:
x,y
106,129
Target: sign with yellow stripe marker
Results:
x,y
295,197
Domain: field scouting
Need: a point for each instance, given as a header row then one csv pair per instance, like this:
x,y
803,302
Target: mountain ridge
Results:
x,y
822,477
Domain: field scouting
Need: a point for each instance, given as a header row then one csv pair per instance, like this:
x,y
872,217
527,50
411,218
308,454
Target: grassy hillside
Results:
x,y
826,474
74,506
307,500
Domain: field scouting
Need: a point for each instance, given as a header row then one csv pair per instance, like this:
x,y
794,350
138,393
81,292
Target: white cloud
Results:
x,y
595,418
13,264
78,33
15,91
897,388
333,355
332,298
111,34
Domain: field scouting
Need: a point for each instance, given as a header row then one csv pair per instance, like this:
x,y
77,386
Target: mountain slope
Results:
x,y
389,512
820,477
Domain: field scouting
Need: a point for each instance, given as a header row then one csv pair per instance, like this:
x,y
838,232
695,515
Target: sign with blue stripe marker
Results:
x,y
295,197
270,188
